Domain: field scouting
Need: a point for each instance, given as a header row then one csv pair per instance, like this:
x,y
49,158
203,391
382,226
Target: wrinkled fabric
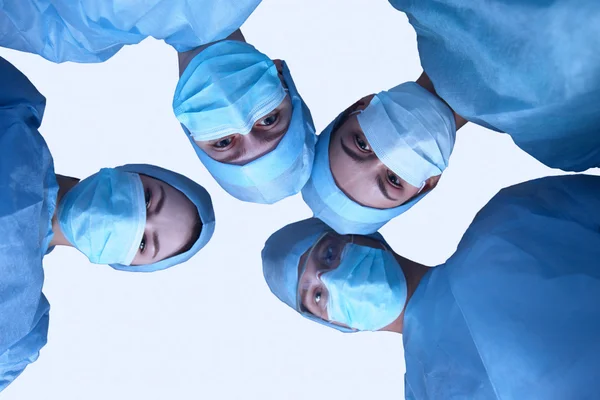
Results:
x,y
411,131
367,290
529,68
91,31
104,216
280,173
28,191
225,90
196,194
514,314
331,205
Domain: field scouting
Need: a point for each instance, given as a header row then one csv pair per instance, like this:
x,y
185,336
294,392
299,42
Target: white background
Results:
x,y
210,329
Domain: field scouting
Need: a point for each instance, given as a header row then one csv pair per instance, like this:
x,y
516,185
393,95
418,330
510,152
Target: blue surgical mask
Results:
x,y
411,131
225,90
367,291
104,216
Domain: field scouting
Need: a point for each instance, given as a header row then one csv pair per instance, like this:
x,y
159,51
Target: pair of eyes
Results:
x,y
226,142
148,199
363,146
327,259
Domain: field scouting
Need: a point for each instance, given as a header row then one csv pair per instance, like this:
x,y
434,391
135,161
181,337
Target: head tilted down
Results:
x,y
379,158
347,282
136,217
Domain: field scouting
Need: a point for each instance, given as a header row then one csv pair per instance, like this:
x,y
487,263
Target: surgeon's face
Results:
x,y
264,137
324,256
171,220
359,173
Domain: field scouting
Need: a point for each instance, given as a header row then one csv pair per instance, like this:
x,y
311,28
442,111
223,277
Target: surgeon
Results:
x,y
380,156
138,218
246,120
513,314
240,110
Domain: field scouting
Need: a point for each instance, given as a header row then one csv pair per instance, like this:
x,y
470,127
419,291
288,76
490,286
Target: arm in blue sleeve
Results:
x,y
24,352
90,31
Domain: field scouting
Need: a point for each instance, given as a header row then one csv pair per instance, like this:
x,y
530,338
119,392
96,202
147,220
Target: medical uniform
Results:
x,y
528,68
514,313
28,192
91,31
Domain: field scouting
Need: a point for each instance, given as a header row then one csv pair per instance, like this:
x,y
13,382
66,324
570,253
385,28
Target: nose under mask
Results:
x,y
104,216
367,291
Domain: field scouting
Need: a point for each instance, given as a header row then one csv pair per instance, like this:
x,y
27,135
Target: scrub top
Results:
x,y
514,313
529,68
91,31
28,191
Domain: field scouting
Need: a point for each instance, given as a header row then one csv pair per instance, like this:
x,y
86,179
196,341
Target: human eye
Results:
x,y
330,254
148,197
318,295
143,244
394,179
362,144
223,143
268,120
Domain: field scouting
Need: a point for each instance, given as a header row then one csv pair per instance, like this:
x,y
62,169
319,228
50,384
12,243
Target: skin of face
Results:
x,y
265,135
359,173
170,220
323,257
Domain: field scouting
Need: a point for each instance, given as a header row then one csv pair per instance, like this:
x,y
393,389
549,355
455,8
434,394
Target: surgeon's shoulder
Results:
x,y
19,98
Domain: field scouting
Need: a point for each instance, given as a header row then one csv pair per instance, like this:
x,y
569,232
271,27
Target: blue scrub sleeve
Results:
x,y
91,31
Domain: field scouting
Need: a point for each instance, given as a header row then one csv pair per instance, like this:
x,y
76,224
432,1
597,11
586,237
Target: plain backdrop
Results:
x,y
211,329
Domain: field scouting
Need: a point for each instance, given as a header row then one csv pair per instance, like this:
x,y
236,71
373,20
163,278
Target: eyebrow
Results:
x,y
156,244
161,201
384,190
350,153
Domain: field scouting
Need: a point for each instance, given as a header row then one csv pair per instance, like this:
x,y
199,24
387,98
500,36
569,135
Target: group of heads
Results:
x,y
253,132
255,135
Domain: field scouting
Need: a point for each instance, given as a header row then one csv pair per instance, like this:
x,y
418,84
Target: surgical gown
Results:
x,y
90,31
528,68
515,312
28,191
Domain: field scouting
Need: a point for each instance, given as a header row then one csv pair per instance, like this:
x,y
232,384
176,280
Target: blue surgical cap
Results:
x,y
196,194
278,174
330,204
281,258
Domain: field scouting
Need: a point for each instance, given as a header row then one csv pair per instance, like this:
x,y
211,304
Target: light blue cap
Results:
x,y
196,194
277,174
281,258
331,205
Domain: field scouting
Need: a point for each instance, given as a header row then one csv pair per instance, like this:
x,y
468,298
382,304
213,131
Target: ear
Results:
x,y
431,183
279,65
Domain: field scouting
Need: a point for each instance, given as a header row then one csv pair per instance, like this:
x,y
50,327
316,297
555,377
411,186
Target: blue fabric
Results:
x,y
90,31
225,90
529,68
514,314
104,216
28,191
281,258
197,195
367,290
331,205
278,174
